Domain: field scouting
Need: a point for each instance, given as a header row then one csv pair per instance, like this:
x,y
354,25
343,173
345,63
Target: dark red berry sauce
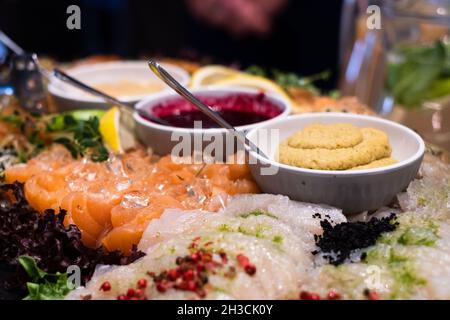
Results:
x,y
238,109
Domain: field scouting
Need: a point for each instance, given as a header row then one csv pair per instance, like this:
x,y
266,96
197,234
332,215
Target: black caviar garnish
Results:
x,y
339,241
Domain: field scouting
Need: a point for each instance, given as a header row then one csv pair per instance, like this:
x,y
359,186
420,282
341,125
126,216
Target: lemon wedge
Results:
x,y
110,128
217,76
253,82
257,83
210,75
117,132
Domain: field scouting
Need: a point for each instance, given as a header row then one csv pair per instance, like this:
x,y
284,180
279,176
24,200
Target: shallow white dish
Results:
x,y
68,97
351,190
159,137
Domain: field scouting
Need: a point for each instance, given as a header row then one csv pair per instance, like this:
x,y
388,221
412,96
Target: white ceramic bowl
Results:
x,y
67,97
351,190
159,137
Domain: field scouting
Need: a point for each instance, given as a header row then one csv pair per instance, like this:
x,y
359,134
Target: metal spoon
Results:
x,y
125,107
14,47
25,78
161,73
28,96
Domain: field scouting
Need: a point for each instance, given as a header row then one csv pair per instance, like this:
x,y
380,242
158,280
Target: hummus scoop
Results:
x,y
353,191
340,146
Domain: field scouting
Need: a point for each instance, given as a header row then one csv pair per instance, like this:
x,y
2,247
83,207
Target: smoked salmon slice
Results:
x,y
112,202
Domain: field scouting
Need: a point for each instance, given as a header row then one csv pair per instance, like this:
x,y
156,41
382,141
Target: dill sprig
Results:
x,y
81,137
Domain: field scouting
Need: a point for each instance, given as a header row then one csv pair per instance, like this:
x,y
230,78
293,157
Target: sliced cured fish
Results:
x,y
113,202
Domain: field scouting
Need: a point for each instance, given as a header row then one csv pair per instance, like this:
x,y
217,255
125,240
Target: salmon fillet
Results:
x,y
113,202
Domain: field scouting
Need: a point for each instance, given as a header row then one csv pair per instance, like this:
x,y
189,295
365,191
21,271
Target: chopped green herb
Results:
x,y
277,239
256,213
418,236
421,201
405,275
396,258
257,71
30,131
23,157
13,119
244,231
290,79
224,228
413,230
219,289
258,233
69,144
400,267
84,136
336,94
287,80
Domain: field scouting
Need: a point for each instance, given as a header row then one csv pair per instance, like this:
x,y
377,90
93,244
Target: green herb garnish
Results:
x,y
400,267
277,239
81,137
257,71
224,228
335,94
13,119
43,285
418,236
257,212
419,73
421,201
78,131
258,232
290,79
28,128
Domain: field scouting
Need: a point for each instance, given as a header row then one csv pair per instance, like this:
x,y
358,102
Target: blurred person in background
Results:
x,y
240,17
297,36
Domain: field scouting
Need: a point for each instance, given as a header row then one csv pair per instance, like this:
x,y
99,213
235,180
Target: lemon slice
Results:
x,y
109,129
116,132
210,75
255,82
219,76
252,82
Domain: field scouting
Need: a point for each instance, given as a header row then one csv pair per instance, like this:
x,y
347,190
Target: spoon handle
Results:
x,y
161,73
126,107
61,75
8,42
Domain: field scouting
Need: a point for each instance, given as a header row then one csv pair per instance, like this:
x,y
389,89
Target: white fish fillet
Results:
x,y
276,234
402,269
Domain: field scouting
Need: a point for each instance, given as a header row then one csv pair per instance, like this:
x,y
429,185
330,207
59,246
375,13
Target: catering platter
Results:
x,y
358,207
